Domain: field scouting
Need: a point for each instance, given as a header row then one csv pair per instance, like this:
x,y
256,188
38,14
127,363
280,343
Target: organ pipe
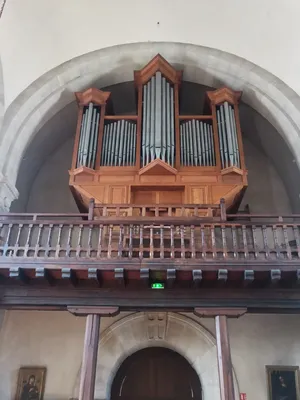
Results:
x,y
88,138
227,133
158,128
196,144
119,144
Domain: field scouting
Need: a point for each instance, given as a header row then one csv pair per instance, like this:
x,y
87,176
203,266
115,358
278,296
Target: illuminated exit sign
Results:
x,y
157,285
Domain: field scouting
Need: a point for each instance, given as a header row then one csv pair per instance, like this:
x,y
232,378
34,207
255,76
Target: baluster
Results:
x,y
58,240
274,230
6,245
37,246
213,240
234,242
203,241
109,247
68,247
89,248
78,248
104,211
182,241
162,250
193,251
196,211
48,245
151,242
182,212
120,244
265,238
156,211
245,243
297,238
253,230
130,242
141,251
224,242
169,211
99,249
172,242
27,245
143,211
16,247
287,244
118,211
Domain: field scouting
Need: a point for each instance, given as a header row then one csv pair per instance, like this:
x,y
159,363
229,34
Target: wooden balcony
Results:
x,y
133,245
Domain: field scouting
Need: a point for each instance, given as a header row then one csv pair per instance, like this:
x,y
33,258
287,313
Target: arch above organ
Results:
x,y
157,155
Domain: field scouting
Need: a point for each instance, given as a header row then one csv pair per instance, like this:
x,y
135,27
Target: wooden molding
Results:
x,y
94,310
82,170
232,170
158,63
215,312
92,95
158,167
224,94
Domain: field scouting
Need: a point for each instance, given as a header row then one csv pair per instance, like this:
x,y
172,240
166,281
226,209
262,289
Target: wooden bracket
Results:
x,y
94,310
215,312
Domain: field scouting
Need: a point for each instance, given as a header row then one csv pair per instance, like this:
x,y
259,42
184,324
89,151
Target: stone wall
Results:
x,y
55,340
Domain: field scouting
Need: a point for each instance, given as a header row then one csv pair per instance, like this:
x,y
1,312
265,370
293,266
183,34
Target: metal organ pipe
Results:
x,y
227,132
119,144
197,144
158,127
88,138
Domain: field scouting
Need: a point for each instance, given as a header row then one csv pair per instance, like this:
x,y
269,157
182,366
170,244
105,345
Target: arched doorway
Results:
x,y
156,373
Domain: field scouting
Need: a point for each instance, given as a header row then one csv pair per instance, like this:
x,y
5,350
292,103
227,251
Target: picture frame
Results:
x,y
31,383
283,382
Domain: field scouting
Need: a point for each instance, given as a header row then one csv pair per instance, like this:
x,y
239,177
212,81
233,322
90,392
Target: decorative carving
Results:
x,y
156,325
8,193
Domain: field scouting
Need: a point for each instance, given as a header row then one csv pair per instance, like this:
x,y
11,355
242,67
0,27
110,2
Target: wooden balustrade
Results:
x,y
151,232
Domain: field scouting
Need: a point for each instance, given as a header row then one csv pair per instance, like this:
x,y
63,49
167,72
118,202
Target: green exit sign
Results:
x,y
157,285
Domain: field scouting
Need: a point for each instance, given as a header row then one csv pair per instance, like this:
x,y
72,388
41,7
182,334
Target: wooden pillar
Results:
x,y
90,348
89,359
223,345
224,358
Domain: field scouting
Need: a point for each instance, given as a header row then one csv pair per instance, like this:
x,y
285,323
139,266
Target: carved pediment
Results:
x,y
158,167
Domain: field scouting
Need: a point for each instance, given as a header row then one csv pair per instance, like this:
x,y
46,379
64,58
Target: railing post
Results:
x,y
223,210
91,209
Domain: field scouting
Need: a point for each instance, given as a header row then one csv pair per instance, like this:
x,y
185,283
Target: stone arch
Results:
x,y
50,93
174,331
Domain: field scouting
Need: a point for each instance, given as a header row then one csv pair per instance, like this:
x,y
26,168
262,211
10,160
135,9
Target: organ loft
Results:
x,y
158,157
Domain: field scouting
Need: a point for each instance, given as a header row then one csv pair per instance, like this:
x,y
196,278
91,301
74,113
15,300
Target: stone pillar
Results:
x,y
90,347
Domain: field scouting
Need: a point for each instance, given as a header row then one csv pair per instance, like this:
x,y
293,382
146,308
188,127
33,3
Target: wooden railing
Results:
x,y
248,238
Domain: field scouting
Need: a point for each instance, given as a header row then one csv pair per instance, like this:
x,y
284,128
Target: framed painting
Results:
x,y
31,383
283,383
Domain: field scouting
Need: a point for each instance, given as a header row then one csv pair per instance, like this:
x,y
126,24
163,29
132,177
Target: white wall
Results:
x,y
55,339
37,36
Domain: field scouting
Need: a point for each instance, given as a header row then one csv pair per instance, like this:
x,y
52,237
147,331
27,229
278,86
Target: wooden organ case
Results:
x,y
158,156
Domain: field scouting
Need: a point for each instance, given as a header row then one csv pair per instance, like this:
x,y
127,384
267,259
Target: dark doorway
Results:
x,y
156,373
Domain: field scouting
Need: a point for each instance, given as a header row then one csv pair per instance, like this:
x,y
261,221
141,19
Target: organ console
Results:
x,y
158,156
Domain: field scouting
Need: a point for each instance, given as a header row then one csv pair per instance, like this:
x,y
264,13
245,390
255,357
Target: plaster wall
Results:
x,y
38,36
55,339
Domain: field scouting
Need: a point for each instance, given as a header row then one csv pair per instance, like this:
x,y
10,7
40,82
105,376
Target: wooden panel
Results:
x,y
198,194
117,194
170,197
157,179
144,197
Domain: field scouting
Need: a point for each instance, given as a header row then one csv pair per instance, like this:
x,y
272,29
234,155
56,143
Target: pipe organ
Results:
x,y
158,156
